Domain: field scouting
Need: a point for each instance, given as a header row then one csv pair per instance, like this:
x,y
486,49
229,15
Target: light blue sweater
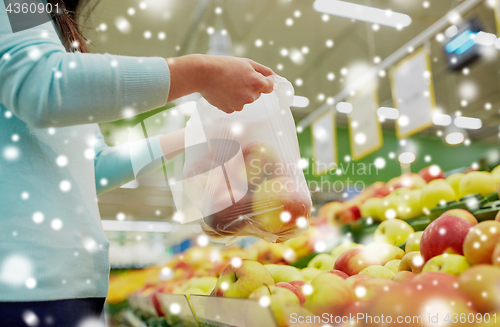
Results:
x,y
52,245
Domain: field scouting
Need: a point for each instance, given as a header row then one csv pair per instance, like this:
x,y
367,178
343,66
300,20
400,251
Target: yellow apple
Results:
x,y
344,247
412,261
281,273
393,231
393,265
371,208
330,294
437,192
413,242
386,252
453,264
310,273
322,262
454,181
378,271
477,182
410,205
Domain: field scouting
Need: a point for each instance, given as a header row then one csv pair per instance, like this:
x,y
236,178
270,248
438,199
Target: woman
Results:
x,y
53,252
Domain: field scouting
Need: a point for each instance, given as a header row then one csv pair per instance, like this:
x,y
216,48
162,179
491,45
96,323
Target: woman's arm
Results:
x,y
114,164
45,86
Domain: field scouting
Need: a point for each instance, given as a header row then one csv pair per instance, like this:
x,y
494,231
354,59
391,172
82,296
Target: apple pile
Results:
x,y
261,196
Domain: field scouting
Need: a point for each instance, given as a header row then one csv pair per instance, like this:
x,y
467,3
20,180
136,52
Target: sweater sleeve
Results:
x,y
45,86
114,165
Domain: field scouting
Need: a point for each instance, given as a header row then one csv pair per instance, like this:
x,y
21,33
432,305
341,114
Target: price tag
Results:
x,y
413,93
231,312
324,143
177,310
365,132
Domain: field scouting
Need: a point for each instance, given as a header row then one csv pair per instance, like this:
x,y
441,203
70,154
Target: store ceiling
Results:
x,y
185,23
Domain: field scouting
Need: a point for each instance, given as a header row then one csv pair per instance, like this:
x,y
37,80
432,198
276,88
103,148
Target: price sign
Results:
x,y
324,143
365,132
231,312
413,93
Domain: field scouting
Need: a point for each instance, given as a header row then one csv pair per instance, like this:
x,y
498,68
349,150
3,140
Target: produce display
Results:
x,y
403,271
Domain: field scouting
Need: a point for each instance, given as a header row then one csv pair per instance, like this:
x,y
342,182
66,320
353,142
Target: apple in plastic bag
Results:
x,y
278,204
261,162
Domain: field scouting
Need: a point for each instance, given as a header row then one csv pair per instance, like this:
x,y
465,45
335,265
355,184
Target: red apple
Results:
x,y
262,162
461,213
480,242
228,221
444,235
295,289
338,273
437,279
416,304
278,204
354,260
481,284
367,289
431,173
352,281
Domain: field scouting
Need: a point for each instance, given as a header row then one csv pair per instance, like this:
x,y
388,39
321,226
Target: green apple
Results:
x,y
242,280
310,273
393,265
378,271
280,299
412,261
330,294
322,262
413,242
393,231
477,182
435,193
453,264
344,247
281,273
454,181
386,252
481,284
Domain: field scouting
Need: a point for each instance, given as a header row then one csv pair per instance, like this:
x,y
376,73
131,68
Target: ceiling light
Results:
x,y
388,113
362,13
468,122
344,107
441,119
300,102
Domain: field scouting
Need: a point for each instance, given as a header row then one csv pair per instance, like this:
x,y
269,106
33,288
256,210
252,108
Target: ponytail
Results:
x,y
65,20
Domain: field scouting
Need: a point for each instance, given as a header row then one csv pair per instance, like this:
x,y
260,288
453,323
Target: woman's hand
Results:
x,y
228,83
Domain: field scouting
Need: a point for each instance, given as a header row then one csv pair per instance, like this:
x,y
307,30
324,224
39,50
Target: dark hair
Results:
x,y
66,22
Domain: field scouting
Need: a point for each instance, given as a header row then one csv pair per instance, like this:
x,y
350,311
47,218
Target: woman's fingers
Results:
x,y
264,70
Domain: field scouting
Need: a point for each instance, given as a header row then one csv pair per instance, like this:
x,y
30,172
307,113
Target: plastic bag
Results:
x,y
242,170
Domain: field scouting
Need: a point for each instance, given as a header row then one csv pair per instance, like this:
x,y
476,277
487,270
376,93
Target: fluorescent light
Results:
x,y
441,119
484,38
362,13
455,138
300,102
407,157
344,107
468,122
388,113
